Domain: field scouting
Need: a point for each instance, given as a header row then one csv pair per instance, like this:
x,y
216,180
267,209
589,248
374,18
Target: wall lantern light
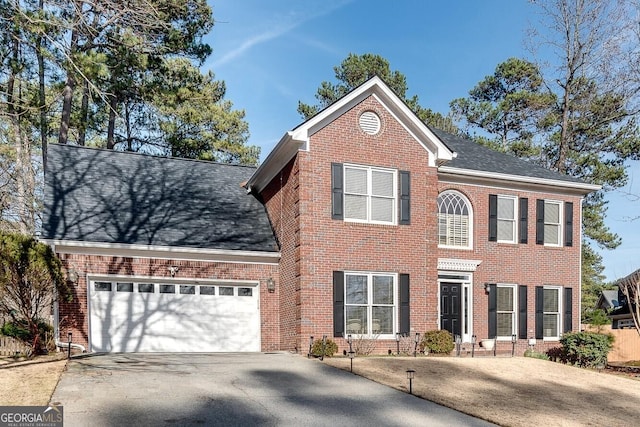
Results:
x,y
271,285
72,275
487,287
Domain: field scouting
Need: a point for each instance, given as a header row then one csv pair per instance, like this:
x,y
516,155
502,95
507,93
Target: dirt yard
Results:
x,y
30,384
508,391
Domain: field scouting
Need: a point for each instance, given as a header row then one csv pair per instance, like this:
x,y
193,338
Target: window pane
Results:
x,y
356,289
187,289
146,287
552,212
245,292
505,298
355,207
505,324
382,321
382,290
505,230
551,234
102,286
207,290
355,181
381,209
506,208
442,229
167,289
225,290
124,287
550,325
550,300
356,320
382,183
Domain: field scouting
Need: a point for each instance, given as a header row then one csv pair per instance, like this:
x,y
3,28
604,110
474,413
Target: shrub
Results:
x,y
330,348
437,342
364,345
21,331
586,349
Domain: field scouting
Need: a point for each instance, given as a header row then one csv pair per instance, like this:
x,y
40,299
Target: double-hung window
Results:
x,y
369,194
551,303
370,303
506,219
506,310
552,223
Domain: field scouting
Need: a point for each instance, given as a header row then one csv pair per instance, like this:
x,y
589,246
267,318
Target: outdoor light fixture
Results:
x,y
487,287
310,346
458,341
415,348
352,354
271,285
473,345
72,275
410,375
398,343
350,341
514,339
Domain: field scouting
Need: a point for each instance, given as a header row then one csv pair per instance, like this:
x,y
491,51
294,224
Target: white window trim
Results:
x,y
470,236
396,306
513,220
559,223
369,170
560,313
514,323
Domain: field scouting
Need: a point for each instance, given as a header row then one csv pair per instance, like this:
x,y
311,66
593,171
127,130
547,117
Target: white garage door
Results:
x,y
173,317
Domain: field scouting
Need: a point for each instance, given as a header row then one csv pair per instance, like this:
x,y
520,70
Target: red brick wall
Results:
x,y
281,197
313,245
523,264
73,315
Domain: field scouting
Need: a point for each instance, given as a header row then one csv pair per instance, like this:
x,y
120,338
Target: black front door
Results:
x,y
450,314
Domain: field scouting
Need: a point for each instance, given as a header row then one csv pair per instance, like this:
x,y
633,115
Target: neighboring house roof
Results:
x,y
474,159
298,138
608,299
106,196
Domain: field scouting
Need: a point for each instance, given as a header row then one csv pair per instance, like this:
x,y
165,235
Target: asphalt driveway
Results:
x,y
234,389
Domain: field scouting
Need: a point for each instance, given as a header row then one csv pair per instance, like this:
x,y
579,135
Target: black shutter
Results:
x,y
404,305
405,198
568,310
337,194
493,310
338,304
539,222
524,220
493,217
539,311
568,224
522,312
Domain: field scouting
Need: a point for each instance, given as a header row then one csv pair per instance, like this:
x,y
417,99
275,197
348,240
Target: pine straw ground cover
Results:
x,y
508,391
30,383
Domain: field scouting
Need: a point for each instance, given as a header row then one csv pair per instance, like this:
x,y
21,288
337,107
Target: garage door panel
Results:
x,y
170,322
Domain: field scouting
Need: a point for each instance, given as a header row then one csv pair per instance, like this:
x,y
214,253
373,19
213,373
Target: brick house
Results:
x,y
362,221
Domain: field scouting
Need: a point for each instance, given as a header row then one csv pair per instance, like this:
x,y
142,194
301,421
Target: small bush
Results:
x,y
535,354
330,348
20,331
364,345
437,342
586,349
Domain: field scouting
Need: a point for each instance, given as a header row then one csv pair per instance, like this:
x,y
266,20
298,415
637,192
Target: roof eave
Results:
x,y
582,188
282,153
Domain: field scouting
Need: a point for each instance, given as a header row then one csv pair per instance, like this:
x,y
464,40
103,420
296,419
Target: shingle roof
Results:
x,y
474,156
107,196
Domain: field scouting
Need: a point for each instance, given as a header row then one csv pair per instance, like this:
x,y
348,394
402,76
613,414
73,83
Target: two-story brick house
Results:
x,y
381,226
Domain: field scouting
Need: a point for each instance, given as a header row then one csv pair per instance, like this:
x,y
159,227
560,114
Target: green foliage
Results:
x,y
21,330
535,354
586,349
30,278
597,317
437,342
355,70
330,348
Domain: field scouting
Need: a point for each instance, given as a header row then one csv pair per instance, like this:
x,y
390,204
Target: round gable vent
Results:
x,y
369,122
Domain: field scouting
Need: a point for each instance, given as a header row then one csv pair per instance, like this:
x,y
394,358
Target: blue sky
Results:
x,y
273,53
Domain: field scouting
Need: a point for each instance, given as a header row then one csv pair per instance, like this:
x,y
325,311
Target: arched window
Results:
x,y
454,220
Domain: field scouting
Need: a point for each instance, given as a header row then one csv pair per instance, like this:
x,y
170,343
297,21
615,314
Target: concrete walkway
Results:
x,y
234,390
